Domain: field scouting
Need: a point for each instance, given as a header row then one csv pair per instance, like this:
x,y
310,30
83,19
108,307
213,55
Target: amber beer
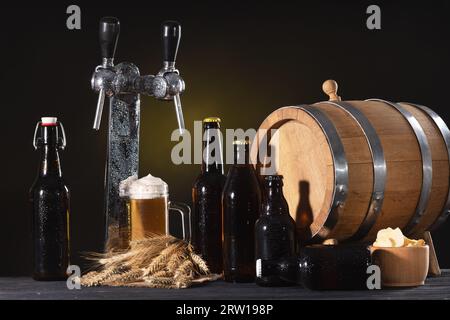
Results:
x,y
148,216
147,206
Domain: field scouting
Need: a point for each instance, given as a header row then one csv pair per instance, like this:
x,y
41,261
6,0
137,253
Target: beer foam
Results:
x,y
148,187
124,185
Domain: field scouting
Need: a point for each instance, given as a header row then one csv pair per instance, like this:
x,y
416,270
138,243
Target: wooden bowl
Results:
x,y
403,266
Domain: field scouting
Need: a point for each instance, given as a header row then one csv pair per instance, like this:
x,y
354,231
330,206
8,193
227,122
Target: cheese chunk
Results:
x,y
389,238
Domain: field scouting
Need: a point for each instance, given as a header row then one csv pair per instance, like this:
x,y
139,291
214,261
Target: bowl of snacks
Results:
x,y
403,262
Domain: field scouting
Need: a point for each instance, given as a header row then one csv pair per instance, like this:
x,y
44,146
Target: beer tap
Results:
x,y
108,35
171,35
123,85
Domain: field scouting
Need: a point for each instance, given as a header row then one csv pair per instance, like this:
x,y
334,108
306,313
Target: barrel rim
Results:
x,y
427,164
318,232
379,167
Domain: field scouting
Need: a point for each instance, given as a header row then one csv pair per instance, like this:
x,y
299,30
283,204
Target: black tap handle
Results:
x,y
171,34
109,34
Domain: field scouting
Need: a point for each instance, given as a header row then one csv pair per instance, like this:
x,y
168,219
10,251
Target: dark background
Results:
x,y
240,61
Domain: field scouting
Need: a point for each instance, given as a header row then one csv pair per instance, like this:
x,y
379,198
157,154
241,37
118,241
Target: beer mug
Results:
x,y
149,208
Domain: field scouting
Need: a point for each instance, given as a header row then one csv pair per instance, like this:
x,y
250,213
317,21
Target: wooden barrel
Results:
x,y
352,168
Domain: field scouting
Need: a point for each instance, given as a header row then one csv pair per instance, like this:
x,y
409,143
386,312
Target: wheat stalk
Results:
x,y
123,278
95,278
153,262
200,263
161,282
160,262
185,268
182,281
162,274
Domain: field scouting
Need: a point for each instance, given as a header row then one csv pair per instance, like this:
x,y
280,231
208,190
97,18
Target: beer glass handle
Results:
x,y
184,210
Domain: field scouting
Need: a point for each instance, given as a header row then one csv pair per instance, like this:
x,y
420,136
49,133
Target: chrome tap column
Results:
x,y
123,85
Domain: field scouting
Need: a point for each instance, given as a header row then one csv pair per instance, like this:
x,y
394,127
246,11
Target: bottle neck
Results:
x,y
212,160
241,154
49,163
274,201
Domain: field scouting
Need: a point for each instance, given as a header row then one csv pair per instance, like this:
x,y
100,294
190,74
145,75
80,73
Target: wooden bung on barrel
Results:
x,y
352,168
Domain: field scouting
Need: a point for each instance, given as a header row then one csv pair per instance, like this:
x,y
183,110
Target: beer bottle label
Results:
x,y
258,268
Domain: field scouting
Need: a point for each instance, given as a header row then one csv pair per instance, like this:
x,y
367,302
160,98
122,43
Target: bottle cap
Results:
x,y
49,121
211,119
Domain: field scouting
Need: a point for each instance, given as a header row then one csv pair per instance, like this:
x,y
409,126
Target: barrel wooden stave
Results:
x,y
440,181
403,163
360,171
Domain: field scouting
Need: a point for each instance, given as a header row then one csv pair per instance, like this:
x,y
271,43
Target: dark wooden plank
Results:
x,y
26,288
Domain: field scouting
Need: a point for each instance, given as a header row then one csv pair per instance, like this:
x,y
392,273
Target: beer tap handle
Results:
x,y
108,34
179,112
99,109
171,35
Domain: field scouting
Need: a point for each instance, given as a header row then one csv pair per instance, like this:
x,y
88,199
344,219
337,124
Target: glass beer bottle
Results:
x,y
240,204
274,230
321,267
49,197
284,271
207,198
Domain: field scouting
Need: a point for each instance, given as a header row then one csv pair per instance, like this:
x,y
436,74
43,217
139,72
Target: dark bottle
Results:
x,y
207,199
274,230
322,267
335,267
49,197
241,204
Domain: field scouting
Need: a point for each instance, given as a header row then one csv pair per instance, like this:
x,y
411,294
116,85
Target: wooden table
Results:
x,y
26,288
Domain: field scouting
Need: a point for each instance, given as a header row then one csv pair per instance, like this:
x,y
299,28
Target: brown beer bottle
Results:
x,y
274,230
49,197
241,204
207,199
